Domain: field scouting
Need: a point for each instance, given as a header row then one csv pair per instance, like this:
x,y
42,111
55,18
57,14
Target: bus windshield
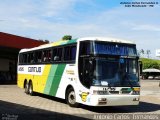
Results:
x,y
108,64
115,72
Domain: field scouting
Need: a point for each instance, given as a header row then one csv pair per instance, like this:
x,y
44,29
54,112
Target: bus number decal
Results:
x,y
21,69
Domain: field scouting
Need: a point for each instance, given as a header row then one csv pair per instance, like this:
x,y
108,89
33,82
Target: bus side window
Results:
x,y
30,58
66,53
84,48
73,52
54,54
25,58
70,53
46,56
20,58
57,54
49,55
38,56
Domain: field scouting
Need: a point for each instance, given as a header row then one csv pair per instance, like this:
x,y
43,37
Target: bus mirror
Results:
x,y
140,67
56,58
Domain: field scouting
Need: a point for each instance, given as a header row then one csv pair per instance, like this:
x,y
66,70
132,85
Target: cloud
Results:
x,y
51,19
147,27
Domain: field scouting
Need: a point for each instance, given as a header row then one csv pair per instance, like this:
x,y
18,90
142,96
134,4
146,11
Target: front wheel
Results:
x,y
71,98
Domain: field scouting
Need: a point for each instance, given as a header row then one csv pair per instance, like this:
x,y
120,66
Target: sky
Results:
x,y
52,19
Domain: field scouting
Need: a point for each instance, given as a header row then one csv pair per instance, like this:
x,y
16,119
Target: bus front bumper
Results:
x,y
114,100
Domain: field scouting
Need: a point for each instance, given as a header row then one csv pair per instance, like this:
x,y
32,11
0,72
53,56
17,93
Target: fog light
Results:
x,y
135,92
102,101
135,99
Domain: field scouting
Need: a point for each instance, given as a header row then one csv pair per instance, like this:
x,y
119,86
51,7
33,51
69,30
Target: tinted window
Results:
x,y
69,53
38,56
57,54
20,58
73,52
85,48
46,57
30,58
114,49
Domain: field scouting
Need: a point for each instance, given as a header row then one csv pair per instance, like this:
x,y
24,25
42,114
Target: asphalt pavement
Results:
x,y
15,104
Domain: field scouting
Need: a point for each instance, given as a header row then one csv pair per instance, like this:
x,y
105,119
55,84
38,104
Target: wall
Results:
x,y
4,65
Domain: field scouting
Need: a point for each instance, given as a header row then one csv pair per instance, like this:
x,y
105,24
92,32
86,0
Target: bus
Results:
x,y
94,71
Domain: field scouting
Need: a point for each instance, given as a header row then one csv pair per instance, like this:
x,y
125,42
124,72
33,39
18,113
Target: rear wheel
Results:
x,y
30,89
71,98
26,88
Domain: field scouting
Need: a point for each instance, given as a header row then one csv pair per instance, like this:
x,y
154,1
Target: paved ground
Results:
x,y
15,104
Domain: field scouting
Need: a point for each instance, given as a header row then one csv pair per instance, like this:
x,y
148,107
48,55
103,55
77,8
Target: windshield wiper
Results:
x,y
131,85
129,81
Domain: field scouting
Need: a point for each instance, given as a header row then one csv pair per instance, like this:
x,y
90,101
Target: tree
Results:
x,y
141,52
67,37
148,52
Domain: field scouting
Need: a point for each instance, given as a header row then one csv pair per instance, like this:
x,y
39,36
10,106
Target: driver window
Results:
x,y
87,72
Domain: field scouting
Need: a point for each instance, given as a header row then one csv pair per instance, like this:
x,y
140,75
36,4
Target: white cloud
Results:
x,y
51,19
147,27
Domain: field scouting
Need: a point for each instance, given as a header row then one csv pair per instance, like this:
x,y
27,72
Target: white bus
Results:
x,y
94,71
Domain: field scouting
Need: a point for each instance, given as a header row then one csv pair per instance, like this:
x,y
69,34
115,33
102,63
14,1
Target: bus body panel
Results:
x,y
49,79
113,100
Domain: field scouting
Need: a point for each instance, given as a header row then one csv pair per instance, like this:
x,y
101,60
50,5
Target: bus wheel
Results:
x,y
71,98
26,89
30,89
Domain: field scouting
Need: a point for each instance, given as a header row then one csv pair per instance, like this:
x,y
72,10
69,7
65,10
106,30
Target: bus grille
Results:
x,y
119,92
126,92
114,92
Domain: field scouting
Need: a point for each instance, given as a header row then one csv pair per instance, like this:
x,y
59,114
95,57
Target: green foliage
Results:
x,y
150,63
67,37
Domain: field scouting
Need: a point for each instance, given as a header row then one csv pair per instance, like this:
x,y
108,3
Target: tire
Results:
x,y
30,89
26,88
71,98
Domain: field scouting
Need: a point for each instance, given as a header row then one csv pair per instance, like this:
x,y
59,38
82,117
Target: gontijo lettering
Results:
x,y
34,69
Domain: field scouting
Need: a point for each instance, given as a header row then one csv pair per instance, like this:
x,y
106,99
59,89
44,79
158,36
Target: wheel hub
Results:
x,y
71,98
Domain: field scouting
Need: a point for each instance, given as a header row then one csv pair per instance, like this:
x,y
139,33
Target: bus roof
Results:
x,y
65,42
57,43
107,39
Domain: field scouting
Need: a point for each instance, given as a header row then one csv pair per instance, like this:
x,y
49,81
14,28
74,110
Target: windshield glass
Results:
x,y
115,72
105,48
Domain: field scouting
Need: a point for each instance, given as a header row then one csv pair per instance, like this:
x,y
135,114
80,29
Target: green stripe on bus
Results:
x,y
50,79
72,41
69,42
56,79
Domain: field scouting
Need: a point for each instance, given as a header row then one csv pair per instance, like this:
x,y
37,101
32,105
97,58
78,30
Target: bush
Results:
x,y
150,63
